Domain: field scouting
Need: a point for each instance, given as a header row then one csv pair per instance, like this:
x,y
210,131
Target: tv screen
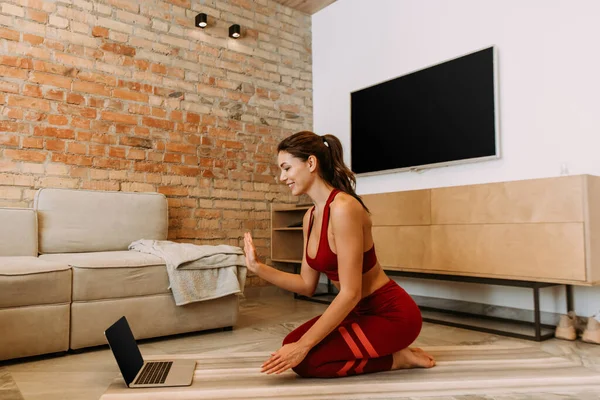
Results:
x,y
436,116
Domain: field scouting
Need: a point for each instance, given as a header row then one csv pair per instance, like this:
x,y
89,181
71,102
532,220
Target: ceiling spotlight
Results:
x,y
234,31
201,20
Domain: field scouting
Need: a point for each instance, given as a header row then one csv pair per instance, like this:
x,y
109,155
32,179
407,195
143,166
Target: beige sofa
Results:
x,y
35,295
85,235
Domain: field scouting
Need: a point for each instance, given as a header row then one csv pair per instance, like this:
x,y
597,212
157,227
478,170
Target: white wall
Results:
x,y
549,95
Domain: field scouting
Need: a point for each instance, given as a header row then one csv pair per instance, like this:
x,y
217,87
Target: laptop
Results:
x,y
140,373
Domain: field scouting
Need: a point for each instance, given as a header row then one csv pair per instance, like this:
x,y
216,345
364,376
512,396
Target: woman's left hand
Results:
x,y
285,358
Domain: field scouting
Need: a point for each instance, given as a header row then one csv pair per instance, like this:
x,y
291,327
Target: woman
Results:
x,y
372,321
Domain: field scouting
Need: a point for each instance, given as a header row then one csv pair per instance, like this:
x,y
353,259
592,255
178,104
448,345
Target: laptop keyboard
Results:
x,y
154,372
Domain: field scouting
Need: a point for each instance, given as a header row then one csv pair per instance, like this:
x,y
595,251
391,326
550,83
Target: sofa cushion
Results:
x,y
76,221
18,232
114,274
27,281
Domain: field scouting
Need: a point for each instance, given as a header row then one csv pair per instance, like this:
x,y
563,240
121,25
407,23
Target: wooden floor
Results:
x,y
266,318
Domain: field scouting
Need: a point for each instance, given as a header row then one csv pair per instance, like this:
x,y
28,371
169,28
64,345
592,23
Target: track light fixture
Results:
x,y
234,31
201,20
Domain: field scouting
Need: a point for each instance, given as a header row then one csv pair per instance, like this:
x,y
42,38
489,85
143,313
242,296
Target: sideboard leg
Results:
x,y
569,294
536,312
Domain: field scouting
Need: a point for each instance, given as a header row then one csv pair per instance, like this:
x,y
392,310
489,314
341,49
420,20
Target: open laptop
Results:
x,y
139,373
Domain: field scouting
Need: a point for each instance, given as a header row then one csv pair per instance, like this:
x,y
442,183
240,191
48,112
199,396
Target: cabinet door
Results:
x,y
402,247
535,200
539,252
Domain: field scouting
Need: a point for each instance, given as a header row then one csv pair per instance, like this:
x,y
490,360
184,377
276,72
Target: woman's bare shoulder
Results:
x,y
346,206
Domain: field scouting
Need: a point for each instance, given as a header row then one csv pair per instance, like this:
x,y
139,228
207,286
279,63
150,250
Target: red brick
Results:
x,y
135,142
123,129
176,73
55,145
172,158
176,115
158,123
128,95
31,115
33,143
136,154
150,167
6,139
118,49
9,34
13,113
138,109
37,16
174,190
52,68
51,80
159,112
98,78
118,152
181,148
57,120
54,45
75,110
54,132
9,87
90,87
96,102
158,69
142,65
99,31
72,159
186,171
97,150
80,123
77,148
83,136
18,62
9,72
75,98
29,102
53,94
33,91
25,155
123,118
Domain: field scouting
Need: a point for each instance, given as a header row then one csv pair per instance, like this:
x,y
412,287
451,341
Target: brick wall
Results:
x,y
130,95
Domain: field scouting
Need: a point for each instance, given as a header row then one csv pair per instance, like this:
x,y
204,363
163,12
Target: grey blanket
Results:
x,y
198,272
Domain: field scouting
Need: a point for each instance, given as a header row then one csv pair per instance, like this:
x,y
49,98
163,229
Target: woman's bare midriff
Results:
x,y
371,281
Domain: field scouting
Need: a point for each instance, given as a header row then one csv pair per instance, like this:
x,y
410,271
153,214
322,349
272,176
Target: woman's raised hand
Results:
x,y
251,257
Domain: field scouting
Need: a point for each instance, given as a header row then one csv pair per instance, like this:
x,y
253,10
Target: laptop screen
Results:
x,y
125,349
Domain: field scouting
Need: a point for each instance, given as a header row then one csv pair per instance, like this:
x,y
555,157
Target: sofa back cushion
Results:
x,y
77,221
18,232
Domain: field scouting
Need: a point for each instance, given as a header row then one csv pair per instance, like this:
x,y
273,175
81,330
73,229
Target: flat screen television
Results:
x,y
436,116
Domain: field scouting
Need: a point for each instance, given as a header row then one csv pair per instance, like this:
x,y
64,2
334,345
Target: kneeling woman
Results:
x,y
372,321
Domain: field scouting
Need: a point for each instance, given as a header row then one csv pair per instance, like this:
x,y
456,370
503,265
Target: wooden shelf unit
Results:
x,y
286,241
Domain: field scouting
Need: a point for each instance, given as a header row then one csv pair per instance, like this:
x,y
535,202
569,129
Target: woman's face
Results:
x,y
295,172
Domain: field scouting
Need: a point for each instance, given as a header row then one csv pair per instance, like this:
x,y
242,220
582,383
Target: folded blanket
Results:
x,y
198,272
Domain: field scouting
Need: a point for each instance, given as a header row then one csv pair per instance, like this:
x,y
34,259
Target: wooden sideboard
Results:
x,y
540,230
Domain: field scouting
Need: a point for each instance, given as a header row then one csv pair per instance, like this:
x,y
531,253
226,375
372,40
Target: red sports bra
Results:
x,y
326,260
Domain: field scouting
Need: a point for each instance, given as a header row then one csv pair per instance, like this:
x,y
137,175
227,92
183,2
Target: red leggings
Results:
x,y
386,321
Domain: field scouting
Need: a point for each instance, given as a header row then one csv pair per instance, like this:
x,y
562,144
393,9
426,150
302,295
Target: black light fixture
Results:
x,y
234,31
201,20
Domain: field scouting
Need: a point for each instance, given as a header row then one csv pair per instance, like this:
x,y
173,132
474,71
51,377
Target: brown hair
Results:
x,y
329,153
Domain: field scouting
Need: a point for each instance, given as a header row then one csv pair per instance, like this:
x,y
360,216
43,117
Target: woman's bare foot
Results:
x,y
412,358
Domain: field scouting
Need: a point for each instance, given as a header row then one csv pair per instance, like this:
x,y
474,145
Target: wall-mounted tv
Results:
x,y
436,116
